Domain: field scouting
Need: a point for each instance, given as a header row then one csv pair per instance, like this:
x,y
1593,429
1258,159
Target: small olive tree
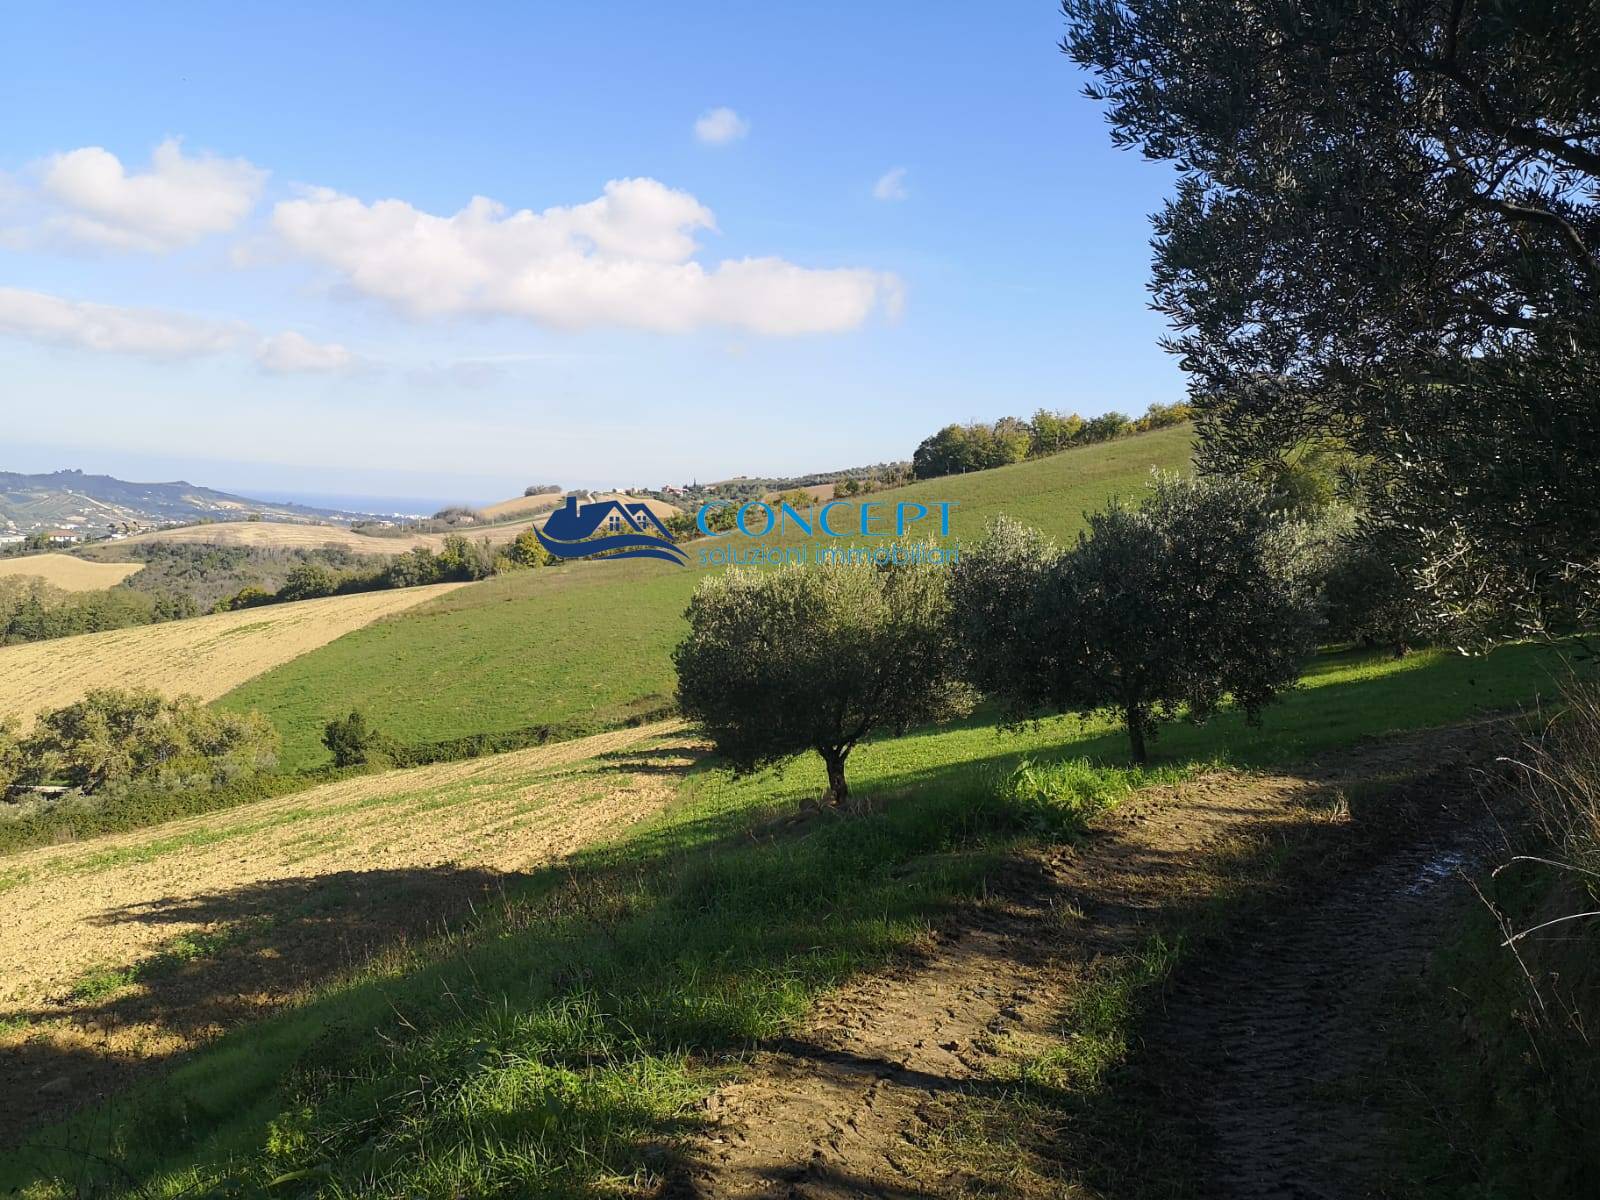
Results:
x,y
1177,604
815,658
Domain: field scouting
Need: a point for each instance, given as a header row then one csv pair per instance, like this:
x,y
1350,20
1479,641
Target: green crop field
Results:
x,y
585,646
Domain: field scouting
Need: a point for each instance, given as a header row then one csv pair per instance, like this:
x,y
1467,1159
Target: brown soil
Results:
x,y
849,1106
286,893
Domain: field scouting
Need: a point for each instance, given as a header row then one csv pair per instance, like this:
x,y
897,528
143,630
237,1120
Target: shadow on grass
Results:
x,y
559,1040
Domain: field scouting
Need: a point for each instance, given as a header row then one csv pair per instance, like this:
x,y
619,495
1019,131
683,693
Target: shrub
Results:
x,y
355,743
115,737
307,581
461,559
246,597
800,659
527,551
542,489
12,758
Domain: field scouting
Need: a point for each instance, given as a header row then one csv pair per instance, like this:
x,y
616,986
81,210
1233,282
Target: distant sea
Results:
x,y
387,506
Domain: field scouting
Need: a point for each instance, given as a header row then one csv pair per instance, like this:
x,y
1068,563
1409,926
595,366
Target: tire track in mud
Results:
x,y
1285,1036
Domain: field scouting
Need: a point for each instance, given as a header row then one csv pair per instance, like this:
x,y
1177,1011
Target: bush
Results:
x,y
12,759
464,560
542,489
800,659
307,581
355,743
114,737
527,551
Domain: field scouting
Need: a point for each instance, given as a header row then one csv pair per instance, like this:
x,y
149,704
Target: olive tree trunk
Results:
x,y
833,758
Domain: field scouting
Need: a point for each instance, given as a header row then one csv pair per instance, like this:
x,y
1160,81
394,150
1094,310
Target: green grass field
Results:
x,y
557,1047
585,646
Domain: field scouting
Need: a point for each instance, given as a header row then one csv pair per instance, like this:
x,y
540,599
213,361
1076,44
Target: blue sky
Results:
x,y
235,244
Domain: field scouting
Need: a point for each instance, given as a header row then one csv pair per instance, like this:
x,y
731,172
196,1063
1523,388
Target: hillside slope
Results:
x,y
68,573
586,646
93,502
279,535
204,656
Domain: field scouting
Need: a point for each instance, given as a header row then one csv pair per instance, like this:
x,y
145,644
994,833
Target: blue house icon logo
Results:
x,y
625,530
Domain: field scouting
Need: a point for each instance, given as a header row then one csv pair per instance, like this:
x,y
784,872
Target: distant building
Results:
x,y
10,539
62,537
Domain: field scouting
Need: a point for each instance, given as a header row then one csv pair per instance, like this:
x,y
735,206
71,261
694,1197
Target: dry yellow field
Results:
x,y
520,506
283,535
284,893
540,506
205,656
68,573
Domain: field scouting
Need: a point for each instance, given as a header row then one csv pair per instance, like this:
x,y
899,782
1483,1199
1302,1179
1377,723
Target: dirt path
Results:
x,y
120,951
839,1109
1283,1039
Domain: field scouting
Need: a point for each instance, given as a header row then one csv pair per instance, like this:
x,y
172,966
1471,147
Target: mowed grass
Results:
x,y
586,646
558,1047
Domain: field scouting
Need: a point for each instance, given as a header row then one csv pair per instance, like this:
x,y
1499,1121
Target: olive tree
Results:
x,y
815,658
1386,231
1178,604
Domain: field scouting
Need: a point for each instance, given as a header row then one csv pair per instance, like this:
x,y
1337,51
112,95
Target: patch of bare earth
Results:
x,y
847,1106
225,916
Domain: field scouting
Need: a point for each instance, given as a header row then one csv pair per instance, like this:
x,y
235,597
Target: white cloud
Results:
x,y
291,352
108,328
625,259
891,185
719,126
88,196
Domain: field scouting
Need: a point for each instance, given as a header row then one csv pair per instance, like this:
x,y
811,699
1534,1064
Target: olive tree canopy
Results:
x,y
815,658
1387,232
1176,605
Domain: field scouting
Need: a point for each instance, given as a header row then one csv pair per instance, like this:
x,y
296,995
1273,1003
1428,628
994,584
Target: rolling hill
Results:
x,y
284,535
92,503
586,646
204,656
68,573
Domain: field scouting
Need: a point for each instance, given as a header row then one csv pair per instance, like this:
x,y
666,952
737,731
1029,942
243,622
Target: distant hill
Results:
x,y
92,504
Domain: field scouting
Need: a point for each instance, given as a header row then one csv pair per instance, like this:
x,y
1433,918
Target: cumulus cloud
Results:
x,y
624,259
891,185
290,352
719,126
111,329
87,196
